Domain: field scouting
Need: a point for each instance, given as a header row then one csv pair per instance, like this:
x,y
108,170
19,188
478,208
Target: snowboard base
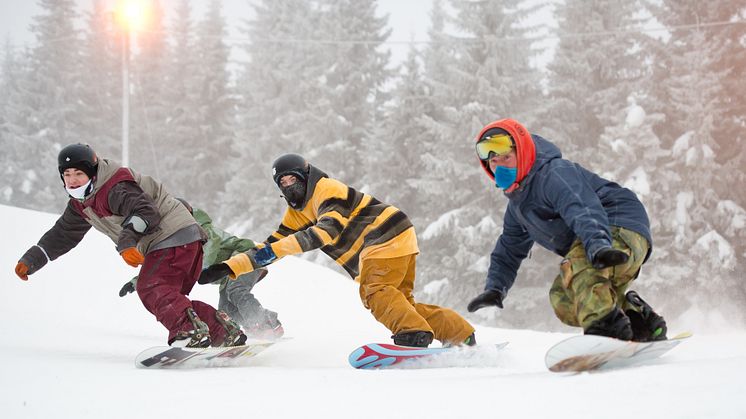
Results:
x,y
386,355
590,352
160,357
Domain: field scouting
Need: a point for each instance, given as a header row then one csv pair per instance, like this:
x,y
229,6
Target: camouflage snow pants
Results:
x,y
581,294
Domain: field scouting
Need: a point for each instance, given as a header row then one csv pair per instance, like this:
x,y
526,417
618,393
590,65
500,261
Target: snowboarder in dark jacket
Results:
x,y
150,228
600,228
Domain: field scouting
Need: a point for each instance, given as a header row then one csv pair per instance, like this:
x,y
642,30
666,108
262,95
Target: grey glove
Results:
x,y
127,288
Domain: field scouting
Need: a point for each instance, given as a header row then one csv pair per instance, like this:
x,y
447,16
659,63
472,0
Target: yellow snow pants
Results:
x,y
386,290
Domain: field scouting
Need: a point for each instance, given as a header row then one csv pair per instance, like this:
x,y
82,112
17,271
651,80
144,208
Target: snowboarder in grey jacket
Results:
x,y
600,228
150,228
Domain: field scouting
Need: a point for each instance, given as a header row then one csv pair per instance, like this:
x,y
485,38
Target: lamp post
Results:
x,y
131,15
125,96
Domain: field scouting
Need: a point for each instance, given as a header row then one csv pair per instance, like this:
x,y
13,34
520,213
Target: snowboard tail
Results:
x,y
590,352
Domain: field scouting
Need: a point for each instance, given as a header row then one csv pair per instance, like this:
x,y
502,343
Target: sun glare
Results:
x,y
133,14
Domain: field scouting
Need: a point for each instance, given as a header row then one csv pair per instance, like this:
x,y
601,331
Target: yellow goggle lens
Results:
x,y
499,144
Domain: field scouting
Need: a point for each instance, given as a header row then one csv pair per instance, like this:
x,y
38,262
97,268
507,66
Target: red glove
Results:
x,y
22,271
132,256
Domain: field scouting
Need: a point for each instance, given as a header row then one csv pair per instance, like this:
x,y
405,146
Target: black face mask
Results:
x,y
295,194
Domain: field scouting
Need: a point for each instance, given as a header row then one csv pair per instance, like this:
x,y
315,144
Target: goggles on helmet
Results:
x,y
499,144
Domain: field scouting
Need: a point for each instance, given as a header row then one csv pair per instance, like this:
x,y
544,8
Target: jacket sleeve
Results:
x,y
66,233
331,218
284,230
228,244
511,248
568,192
221,245
128,200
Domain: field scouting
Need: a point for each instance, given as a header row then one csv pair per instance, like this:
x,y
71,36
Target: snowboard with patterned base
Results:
x,y
174,357
386,355
590,352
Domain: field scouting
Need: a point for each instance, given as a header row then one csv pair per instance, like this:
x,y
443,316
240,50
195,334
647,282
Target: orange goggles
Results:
x,y
499,144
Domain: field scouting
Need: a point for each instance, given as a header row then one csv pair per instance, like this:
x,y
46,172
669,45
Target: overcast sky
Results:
x,y
409,19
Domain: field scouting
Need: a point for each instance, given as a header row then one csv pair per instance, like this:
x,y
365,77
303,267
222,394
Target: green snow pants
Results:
x,y
581,294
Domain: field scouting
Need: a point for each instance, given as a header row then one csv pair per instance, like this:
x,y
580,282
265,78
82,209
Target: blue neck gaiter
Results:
x,y
505,176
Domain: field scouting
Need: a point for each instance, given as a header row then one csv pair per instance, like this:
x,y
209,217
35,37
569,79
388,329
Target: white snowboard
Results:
x,y
590,352
174,357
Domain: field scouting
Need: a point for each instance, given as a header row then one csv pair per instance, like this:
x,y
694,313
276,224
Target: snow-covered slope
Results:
x,y
68,344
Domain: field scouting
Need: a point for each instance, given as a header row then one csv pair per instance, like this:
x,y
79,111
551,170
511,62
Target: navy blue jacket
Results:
x,y
555,203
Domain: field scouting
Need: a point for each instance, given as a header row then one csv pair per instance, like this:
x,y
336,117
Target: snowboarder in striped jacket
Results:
x,y
374,242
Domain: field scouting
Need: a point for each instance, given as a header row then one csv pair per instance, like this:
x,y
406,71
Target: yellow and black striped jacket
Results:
x,y
347,225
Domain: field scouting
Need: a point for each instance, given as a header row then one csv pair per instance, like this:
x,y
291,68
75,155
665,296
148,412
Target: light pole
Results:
x,y
125,97
131,15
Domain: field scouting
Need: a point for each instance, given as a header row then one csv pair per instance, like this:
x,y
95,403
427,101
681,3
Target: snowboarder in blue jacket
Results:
x,y
600,228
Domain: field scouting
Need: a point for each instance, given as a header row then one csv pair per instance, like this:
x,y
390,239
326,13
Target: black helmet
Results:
x,y
290,164
78,156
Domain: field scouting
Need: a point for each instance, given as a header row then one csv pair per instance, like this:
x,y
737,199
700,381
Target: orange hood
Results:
x,y
524,146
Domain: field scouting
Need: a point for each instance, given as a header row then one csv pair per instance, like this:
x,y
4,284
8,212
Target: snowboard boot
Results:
x,y
233,334
469,341
647,325
269,328
614,325
419,338
198,337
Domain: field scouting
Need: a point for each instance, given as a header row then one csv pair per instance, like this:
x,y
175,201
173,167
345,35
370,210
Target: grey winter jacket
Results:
x,y
119,194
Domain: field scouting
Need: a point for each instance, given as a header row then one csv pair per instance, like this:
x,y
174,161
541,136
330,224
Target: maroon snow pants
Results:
x,y
166,278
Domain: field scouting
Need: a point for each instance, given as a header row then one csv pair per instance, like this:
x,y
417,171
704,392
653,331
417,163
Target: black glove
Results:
x,y
486,299
609,257
214,273
127,288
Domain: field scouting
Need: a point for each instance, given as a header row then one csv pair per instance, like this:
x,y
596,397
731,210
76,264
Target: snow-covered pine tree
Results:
x,y
18,174
8,77
723,34
395,144
641,164
215,111
696,95
101,94
148,106
356,71
596,59
181,145
282,109
634,148
494,74
433,130
51,101
717,22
